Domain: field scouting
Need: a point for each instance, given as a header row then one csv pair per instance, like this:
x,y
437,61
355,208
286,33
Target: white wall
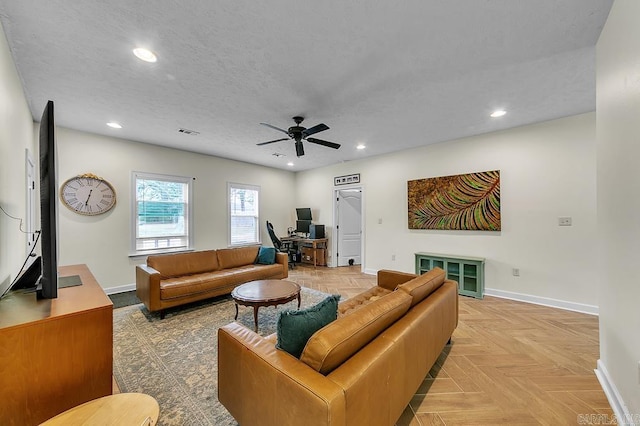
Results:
x,y
618,149
547,170
15,137
103,242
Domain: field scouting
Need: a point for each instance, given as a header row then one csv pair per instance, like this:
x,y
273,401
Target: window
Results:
x,y
244,218
161,213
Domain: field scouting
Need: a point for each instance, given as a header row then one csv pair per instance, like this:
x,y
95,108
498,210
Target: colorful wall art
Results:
x,y
459,202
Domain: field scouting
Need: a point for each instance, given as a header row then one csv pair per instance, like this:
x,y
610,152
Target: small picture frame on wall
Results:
x,y
347,179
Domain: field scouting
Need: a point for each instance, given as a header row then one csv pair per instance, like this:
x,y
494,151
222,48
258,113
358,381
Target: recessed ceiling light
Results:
x,y
145,54
498,113
114,125
289,164
361,146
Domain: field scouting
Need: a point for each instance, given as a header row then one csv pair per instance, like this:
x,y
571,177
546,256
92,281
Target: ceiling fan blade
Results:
x,y
277,140
315,129
299,149
324,143
275,128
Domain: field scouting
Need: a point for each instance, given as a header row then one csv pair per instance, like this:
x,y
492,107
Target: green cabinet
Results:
x,y
467,271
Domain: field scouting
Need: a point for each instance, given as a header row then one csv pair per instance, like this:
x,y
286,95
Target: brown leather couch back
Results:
x,y
423,285
180,264
336,342
234,257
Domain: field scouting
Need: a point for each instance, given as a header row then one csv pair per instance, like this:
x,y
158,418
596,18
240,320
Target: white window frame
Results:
x,y
134,212
230,187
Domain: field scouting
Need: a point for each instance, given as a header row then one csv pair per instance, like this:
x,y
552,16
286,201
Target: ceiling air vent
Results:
x,y
188,132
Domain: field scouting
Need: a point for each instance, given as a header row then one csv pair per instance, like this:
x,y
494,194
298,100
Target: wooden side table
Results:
x,y
121,409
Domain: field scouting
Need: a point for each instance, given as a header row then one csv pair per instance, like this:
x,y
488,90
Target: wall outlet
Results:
x,y
393,257
380,221
564,221
516,272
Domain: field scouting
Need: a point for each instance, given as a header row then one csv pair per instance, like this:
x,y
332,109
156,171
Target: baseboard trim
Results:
x,y
618,406
369,271
120,289
544,301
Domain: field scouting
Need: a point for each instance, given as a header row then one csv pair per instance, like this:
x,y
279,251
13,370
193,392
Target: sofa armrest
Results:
x,y
260,384
283,259
391,279
148,287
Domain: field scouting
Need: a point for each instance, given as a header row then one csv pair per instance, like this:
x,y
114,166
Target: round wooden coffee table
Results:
x,y
265,293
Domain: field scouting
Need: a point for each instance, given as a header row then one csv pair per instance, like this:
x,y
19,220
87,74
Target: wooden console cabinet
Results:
x,y
467,271
54,354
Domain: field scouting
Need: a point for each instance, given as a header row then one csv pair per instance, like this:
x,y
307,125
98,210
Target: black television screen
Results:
x,y
302,226
304,213
48,287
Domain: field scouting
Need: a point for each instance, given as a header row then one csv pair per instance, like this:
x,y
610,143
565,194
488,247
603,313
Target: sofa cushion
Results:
x,y
246,273
239,256
423,285
295,327
180,264
362,299
189,285
335,343
266,256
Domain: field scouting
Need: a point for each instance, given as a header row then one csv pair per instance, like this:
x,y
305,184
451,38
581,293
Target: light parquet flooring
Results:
x,y
509,363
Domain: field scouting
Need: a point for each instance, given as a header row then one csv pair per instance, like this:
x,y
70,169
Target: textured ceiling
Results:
x,y
390,75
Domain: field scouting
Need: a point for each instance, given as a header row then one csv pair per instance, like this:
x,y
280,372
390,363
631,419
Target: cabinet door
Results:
x,y
470,278
453,270
423,264
438,263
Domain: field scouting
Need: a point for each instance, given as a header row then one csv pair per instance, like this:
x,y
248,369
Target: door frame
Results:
x,y
334,241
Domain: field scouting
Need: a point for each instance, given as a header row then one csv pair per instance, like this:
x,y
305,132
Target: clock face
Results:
x,y
88,195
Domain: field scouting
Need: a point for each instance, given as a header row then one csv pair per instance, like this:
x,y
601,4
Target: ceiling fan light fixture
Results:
x,y
290,164
361,146
145,54
114,125
498,113
299,134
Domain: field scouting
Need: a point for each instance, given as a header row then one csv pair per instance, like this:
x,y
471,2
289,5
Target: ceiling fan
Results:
x,y
299,133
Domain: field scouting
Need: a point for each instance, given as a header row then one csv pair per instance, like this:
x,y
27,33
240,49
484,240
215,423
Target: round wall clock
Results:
x,y
88,194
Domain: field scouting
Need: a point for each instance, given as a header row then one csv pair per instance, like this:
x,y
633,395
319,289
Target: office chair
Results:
x,y
282,247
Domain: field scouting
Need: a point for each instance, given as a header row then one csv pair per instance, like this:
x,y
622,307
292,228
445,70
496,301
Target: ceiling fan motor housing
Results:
x,y
298,133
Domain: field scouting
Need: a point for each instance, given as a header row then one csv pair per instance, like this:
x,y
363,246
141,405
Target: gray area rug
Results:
x,y
175,359
120,300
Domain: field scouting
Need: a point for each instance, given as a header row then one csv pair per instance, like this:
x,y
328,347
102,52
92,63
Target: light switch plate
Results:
x,y
564,221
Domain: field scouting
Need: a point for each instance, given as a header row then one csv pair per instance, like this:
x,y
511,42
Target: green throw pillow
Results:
x,y
296,327
266,256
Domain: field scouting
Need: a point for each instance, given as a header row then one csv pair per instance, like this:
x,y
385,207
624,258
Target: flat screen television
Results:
x,y
48,286
43,272
304,213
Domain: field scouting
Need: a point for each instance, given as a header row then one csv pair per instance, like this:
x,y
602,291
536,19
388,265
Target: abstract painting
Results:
x,y
459,202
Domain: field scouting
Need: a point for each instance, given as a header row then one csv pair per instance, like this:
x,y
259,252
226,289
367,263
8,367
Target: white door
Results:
x,y
349,229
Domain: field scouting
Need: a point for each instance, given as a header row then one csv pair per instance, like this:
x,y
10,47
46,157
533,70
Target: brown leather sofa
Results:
x,y
361,369
175,279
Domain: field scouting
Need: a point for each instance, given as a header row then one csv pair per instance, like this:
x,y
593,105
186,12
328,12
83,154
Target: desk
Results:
x,y
317,253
